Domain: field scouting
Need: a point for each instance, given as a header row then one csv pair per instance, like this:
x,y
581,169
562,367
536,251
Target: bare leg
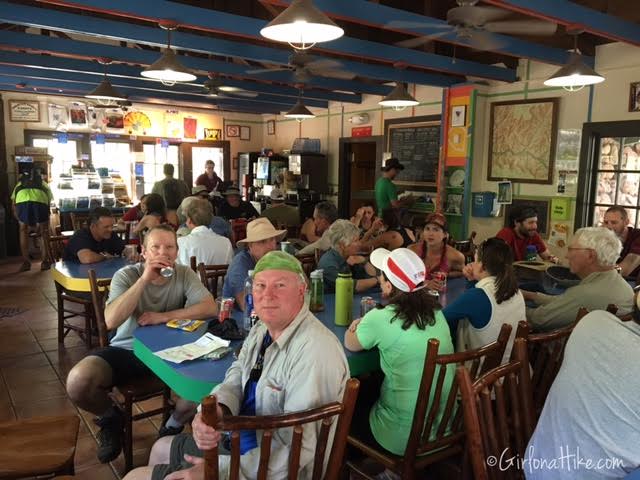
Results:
x,y
24,241
89,383
185,411
140,473
160,451
43,229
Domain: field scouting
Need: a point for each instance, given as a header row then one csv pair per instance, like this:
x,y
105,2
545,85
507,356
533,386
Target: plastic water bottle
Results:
x,y
344,299
316,303
247,321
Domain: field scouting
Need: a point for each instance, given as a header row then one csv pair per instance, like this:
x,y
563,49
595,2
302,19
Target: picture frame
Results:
x,y
522,140
245,133
232,131
541,206
213,134
634,97
271,127
24,111
78,114
505,193
458,116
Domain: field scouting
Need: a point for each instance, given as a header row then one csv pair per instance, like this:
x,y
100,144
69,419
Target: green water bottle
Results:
x,y
344,299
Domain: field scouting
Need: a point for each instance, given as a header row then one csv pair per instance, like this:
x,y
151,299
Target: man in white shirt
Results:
x,y
207,246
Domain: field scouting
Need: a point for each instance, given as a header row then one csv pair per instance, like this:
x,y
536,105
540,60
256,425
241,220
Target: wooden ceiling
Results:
x,y
52,46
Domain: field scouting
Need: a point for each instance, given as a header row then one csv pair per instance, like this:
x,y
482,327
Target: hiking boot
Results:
x,y
110,435
25,267
166,431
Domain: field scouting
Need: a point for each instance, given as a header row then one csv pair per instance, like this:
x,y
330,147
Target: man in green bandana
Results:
x,y
289,362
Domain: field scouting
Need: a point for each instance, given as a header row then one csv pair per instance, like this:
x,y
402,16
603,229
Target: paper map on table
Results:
x,y
205,344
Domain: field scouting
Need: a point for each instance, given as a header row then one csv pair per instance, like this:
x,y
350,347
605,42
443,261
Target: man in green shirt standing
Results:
x,y
386,191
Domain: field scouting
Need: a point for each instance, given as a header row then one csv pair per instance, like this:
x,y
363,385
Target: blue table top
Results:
x,y
104,269
158,337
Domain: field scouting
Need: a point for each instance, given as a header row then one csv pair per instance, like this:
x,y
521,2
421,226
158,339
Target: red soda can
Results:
x,y
225,308
442,278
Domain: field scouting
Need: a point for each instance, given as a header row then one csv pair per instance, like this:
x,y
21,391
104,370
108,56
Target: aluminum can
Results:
x,y
442,278
167,272
366,305
225,307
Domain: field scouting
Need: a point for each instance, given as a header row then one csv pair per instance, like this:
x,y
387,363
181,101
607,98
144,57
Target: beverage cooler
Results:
x,y
311,170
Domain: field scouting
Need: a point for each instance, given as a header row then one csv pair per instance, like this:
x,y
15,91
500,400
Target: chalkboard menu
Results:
x,y
417,145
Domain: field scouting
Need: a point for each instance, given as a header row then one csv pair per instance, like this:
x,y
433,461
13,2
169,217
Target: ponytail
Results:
x,y
497,259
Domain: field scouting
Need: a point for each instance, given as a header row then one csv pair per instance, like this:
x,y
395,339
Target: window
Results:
x,y
116,157
65,155
155,156
618,177
199,155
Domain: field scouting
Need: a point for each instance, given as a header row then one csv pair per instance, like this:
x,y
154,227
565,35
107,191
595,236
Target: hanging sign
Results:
x,y
99,139
361,131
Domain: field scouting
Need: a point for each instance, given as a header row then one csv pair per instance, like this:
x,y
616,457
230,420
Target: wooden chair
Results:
x,y
79,220
126,394
428,442
497,411
55,244
267,424
293,231
38,446
212,276
309,263
193,264
238,230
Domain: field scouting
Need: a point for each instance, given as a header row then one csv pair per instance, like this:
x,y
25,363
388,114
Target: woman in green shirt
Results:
x,y
400,330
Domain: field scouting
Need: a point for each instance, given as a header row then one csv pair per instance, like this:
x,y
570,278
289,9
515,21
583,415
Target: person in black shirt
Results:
x,y
234,207
95,243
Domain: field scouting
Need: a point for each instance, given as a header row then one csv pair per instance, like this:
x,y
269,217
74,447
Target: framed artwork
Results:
x,y
57,116
232,131
213,134
522,140
271,127
115,120
540,206
24,111
505,192
634,97
245,133
78,114
189,127
459,116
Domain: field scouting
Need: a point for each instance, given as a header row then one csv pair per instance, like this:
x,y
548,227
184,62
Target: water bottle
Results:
x,y
531,254
316,304
344,299
247,321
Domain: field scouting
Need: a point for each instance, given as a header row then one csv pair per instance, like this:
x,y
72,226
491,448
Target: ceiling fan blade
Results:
x,y
483,40
418,41
266,70
340,74
522,27
243,93
323,63
400,25
475,16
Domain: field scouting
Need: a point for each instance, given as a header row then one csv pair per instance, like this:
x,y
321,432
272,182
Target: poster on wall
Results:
x,y
24,111
190,125
137,123
57,116
78,114
173,126
114,119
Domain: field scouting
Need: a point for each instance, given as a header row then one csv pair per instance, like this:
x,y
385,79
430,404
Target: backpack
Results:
x,y
171,193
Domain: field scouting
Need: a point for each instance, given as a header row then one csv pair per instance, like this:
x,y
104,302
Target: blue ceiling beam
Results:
x,y
569,13
373,14
62,69
122,31
67,87
222,22
84,49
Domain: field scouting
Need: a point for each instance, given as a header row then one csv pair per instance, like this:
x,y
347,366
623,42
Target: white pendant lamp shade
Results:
x,y
574,76
302,25
399,98
168,70
299,112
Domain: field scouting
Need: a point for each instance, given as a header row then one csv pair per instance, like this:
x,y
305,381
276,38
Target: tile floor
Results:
x,y
33,369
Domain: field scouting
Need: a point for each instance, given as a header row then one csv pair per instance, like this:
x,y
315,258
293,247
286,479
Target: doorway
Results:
x,y
358,158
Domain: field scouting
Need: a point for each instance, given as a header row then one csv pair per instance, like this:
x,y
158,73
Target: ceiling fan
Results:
x,y
215,87
304,67
477,24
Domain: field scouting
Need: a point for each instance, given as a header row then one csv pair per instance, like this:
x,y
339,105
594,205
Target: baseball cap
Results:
x,y
278,260
437,219
403,267
277,194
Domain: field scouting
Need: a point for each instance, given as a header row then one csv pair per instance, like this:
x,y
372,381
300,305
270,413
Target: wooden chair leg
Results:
x,y
127,447
60,313
166,405
88,316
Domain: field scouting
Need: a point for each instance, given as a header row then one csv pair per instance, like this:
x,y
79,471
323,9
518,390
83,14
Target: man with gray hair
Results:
x,y
324,215
592,255
344,239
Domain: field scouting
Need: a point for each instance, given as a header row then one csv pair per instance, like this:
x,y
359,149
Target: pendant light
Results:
x,y
299,112
399,98
302,25
105,94
576,74
168,68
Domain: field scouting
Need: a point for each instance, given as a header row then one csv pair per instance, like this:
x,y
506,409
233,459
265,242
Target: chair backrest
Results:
x,y
267,424
193,264
99,294
79,220
238,230
497,411
545,353
308,262
55,245
212,276
293,231
425,435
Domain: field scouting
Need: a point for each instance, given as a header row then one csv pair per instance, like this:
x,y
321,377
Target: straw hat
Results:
x,y
261,229
199,188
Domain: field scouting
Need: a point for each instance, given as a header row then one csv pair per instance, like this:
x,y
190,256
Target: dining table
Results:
x,y
194,379
74,276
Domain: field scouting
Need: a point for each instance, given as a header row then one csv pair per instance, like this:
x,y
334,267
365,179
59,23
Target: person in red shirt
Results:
x,y
209,178
523,233
616,219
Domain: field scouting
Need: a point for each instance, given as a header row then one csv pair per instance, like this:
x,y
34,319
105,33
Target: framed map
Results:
x,y
522,140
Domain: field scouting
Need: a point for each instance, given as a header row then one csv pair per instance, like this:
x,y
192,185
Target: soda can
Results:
x,y
366,305
167,272
225,307
442,278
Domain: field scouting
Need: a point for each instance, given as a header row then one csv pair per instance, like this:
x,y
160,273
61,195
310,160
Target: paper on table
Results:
x,y
205,344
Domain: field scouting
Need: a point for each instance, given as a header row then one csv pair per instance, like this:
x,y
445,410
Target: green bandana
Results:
x,y
278,260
